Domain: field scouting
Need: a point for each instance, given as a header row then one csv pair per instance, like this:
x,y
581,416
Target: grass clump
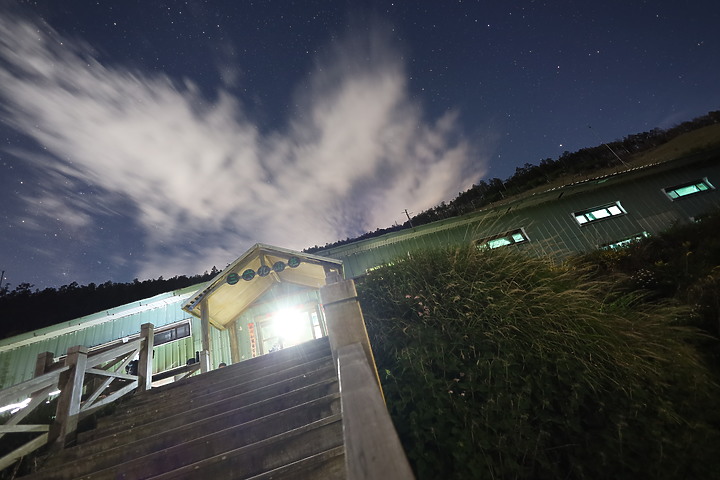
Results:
x,y
499,366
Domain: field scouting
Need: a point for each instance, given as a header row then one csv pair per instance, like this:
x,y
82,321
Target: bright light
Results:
x,y
14,407
291,326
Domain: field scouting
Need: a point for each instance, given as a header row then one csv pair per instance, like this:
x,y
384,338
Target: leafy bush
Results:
x,y
499,366
681,264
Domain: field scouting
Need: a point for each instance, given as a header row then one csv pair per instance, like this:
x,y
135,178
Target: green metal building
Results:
x,y
595,213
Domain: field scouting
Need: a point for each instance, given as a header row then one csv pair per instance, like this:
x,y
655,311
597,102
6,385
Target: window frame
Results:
x,y
484,243
185,324
694,183
604,207
624,242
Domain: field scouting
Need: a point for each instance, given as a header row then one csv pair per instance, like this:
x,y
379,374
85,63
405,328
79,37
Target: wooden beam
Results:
x,y
23,428
204,361
28,387
205,330
145,363
43,363
107,356
234,343
87,409
344,318
17,454
68,406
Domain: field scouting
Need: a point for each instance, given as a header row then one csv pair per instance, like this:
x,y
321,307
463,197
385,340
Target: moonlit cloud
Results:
x,y
203,182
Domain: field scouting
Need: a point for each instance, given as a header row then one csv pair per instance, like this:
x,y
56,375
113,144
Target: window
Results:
x,y
599,213
686,189
509,238
171,334
625,242
378,267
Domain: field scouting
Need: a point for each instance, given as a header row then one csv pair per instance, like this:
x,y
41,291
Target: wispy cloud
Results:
x,y
204,182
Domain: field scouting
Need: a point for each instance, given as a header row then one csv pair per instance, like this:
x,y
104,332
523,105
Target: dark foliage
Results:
x,y
23,310
529,176
498,366
681,264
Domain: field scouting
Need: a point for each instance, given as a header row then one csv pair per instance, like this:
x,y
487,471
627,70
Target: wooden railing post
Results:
x,y
344,318
43,363
71,390
145,362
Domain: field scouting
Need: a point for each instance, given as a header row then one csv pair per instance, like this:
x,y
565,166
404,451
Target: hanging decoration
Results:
x,y
263,271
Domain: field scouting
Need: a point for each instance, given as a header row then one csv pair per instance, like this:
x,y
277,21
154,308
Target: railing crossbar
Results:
x,y
31,386
99,359
88,408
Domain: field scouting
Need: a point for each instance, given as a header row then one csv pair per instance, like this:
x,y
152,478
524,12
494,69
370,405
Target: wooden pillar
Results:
x,y
145,362
344,318
204,361
234,343
205,336
71,389
43,363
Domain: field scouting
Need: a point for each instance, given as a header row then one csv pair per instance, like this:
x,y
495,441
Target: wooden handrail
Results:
x,y
372,447
22,390
38,389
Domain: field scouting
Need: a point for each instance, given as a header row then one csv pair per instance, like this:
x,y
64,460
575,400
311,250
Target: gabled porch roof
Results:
x,y
246,279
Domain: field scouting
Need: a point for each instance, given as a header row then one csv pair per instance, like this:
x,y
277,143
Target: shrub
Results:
x,y
500,366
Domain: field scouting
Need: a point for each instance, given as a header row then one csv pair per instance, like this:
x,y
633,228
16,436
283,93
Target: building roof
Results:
x,y
246,279
160,301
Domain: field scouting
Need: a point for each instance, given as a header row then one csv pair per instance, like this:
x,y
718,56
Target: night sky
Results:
x,y
148,138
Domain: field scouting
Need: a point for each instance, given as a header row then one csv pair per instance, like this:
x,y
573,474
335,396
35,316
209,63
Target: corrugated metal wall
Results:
x,y
546,218
18,354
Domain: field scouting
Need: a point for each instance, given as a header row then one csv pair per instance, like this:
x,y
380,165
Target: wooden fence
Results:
x,y
85,381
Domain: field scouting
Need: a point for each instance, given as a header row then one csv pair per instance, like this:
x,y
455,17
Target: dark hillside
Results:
x,y
657,145
23,309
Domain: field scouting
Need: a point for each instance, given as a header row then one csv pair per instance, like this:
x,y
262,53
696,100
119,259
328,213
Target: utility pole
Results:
x,y
608,147
409,219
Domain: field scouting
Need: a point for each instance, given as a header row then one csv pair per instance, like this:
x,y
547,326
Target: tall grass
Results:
x,y
499,366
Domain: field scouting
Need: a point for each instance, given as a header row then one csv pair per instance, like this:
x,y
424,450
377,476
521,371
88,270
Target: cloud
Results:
x,y
205,183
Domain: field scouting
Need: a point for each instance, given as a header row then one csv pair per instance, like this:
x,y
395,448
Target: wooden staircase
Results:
x,y
277,416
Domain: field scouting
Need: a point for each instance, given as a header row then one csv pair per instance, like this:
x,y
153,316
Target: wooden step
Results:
x,y
272,417
231,375
327,465
261,457
193,443
242,394
214,416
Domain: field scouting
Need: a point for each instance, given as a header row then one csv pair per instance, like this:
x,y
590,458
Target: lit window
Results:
x,y
509,238
599,213
625,242
686,189
378,267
